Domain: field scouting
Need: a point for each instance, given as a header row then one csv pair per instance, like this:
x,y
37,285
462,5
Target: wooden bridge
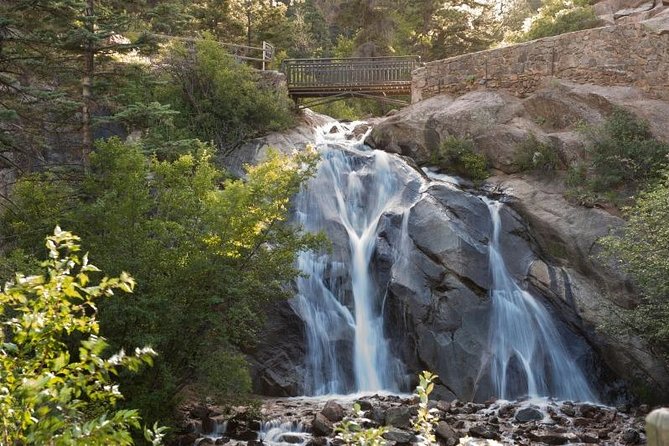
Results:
x,y
334,79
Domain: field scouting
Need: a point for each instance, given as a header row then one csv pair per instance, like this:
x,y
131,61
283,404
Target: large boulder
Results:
x,y
498,122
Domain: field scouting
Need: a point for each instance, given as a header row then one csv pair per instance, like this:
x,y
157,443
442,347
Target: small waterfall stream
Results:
x,y
337,298
529,355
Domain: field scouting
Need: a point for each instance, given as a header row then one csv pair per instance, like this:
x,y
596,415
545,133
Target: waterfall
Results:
x,y
528,354
347,350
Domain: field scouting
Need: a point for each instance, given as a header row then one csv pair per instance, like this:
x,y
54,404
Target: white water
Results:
x,y
347,350
283,433
529,355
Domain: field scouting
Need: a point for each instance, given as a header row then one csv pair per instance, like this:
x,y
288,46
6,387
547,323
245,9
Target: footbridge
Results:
x,y
327,80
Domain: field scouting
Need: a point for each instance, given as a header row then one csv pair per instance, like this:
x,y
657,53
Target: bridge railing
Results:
x,y
314,74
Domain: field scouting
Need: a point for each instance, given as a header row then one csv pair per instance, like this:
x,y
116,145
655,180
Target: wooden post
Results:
x,y
657,427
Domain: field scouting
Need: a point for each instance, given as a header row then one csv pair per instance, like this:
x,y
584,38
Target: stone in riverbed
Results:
x,y
399,417
548,437
318,441
446,433
528,414
333,411
630,436
321,426
484,431
399,436
364,404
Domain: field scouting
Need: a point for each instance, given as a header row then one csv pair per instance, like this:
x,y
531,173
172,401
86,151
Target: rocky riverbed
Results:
x,y
312,421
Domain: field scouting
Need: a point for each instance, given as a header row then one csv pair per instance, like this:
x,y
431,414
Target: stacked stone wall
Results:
x,y
630,55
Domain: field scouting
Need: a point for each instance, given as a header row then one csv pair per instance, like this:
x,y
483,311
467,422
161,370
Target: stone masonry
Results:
x,y
626,55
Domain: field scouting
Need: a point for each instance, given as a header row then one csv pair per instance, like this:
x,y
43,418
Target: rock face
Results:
x,y
498,121
436,304
554,242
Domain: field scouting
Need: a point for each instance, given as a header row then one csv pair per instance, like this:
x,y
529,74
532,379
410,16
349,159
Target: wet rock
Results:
x,y
581,422
630,436
445,432
484,431
444,406
506,411
568,410
548,437
333,411
364,404
377,415
200,411
589,411
528,414
588,437
186,439
399,417
321,426
318,441
206,442
399,436
291,439
208,425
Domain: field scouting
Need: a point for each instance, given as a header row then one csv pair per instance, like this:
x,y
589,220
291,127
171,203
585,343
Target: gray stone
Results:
x,y
333,411
321,426
399,417
528,414
398,436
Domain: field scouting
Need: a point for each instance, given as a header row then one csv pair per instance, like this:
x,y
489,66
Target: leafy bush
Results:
x,y
642,249
622,155
624,150
209,255
351,432
533,154
558,17
221,100
425,420
457,156
56,375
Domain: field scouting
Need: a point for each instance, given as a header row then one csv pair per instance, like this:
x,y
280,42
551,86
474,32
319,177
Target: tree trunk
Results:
x,y
87,84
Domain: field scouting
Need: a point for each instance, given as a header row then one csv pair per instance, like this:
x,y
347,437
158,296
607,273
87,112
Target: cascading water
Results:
x,y
528,354
337,298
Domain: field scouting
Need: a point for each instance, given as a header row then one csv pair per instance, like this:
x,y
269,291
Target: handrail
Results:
x,y
360,73
265,58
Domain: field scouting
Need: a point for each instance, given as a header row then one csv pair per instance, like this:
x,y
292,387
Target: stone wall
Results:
x,y
634,54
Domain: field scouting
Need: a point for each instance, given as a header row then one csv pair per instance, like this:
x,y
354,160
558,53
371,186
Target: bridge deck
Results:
x,y
377,76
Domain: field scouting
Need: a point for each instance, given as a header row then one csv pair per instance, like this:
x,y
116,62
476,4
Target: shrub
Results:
x,y
622,155
209,255
221,100
642,249
55,371
533,154
457,156
558,17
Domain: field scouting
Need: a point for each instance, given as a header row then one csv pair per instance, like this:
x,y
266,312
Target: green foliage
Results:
x,y
457,156
533,154
425,420
622,155
56,377
559,17
209,255
351,432
642,249
458,27
221,100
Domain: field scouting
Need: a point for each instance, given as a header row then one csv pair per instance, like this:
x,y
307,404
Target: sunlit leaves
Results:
x,y
48,393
